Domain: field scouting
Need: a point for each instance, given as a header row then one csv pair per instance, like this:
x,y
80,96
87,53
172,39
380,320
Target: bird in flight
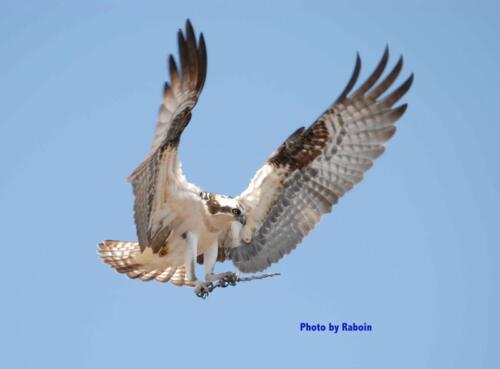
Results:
x,y
179,224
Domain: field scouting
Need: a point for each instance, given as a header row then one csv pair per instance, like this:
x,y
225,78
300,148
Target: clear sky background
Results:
x,y
412,250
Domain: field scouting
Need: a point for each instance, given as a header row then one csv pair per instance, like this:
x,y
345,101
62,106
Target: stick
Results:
x,y
257,276
222,283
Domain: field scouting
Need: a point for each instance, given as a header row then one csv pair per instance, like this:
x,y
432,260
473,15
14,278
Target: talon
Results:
x,y
203,289
201,294
230,279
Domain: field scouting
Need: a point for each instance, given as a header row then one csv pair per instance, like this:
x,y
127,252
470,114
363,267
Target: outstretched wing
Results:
x,y
316,166
153,179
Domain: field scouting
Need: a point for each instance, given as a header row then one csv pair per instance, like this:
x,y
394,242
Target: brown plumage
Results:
x,y
179,99
179,224
321,164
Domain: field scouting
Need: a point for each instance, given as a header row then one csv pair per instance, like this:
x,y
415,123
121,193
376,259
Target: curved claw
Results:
x,y
229,280
204,290
202,294
210,287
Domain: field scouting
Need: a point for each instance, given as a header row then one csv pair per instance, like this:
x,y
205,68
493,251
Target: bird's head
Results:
x,y
224,206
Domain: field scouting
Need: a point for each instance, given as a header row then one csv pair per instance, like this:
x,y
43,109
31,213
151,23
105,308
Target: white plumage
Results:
x,y
179,224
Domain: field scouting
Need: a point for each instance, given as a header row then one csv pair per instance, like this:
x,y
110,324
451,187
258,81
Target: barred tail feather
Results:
x,y
126,257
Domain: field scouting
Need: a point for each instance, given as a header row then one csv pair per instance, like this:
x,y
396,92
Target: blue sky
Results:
x,y
412,250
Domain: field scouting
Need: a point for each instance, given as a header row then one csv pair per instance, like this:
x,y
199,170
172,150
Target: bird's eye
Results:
x,y
236,211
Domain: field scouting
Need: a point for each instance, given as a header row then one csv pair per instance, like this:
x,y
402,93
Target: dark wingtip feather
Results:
x,y
398,112
202,47
166,87
352,80
192,52
370,81
190,35
183,54
171,62
180,37
388,81
399,92
174,73
202,62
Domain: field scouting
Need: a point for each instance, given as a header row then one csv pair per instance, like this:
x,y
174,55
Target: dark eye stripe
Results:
x,y
225,209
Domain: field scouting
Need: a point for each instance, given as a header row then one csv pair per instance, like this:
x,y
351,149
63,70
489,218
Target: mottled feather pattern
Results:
x,y
161,172
302,147
300,182
181,95
324,162
287,223
144,188
175,113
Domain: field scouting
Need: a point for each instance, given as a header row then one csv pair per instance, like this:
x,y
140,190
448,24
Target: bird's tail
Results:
x,y
126,257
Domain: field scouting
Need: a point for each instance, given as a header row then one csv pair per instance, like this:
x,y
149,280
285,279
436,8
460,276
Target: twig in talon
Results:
x,y
176,221
224,283
257,276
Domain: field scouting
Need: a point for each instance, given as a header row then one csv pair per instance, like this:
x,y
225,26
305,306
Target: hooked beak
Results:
x,y
242,219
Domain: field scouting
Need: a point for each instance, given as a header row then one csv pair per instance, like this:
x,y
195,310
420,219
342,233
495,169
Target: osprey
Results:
x,y
179,224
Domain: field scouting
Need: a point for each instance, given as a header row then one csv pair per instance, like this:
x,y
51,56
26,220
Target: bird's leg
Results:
x,y
201,289
209,259
190,256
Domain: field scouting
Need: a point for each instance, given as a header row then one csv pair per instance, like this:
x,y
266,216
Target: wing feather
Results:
x,y
179,98
316,166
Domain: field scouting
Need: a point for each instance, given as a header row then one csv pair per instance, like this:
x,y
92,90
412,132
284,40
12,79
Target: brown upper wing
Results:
x,y
316,166
179,98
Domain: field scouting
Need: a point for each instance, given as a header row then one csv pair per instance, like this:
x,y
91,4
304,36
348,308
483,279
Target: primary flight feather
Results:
x,y
178,223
